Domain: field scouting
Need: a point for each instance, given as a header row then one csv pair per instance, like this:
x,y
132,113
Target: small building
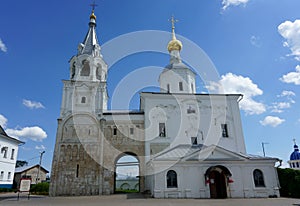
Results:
x,y
295,158
8,157
36,172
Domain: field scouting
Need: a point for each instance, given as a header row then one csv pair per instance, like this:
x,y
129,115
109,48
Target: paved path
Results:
x,y
128,200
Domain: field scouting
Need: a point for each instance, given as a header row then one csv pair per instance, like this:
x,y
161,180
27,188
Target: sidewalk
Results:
x,y
128,200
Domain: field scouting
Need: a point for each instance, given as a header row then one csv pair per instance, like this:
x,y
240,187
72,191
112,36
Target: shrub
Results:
x,y
290,182
40,188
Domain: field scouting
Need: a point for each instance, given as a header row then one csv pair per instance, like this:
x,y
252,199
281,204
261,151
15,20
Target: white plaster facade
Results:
x,y
188,145
8,157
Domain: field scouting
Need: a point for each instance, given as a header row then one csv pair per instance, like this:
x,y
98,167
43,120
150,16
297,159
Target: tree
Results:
x,y
21,163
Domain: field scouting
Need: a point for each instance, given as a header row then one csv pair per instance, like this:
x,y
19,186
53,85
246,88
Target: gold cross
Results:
x,y
173,21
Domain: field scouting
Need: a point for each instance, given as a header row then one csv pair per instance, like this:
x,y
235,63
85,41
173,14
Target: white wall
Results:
x,y
7,164
205,123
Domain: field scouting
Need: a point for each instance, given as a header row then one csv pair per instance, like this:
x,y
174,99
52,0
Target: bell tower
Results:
x,y
86,90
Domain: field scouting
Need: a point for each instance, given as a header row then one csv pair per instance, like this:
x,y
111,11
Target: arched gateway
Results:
x,y
218,177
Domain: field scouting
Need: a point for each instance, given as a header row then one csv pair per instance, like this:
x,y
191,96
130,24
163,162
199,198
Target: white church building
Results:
x,y
188,145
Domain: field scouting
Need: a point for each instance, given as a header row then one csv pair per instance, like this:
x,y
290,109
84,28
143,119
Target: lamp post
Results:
x,y
38,173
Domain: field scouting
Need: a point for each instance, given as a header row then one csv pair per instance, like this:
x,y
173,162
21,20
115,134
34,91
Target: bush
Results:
x,y
290,182
4,190
40,189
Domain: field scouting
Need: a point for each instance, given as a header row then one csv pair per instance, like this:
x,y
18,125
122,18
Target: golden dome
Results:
x,y
93,16
174,44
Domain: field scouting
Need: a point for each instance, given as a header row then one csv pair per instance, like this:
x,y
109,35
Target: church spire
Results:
x,y
90,44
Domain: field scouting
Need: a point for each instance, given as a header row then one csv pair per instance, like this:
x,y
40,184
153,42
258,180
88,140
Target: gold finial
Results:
x,y
174,44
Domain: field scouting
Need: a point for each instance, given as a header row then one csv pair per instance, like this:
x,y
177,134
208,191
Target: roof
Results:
x,y
295,155
4,135
204,153
25,168
197,94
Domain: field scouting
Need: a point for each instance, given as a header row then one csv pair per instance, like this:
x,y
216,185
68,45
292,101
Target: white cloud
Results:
x,y
3,121
290,31
227,3
234,84
292,77
279,106
34,133
255,41
41,147
285,93
2,46
271,121
32,104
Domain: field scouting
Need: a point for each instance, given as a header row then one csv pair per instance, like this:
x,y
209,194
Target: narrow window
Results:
x,y
224,130
131,130
171,179
168,88
115,131
1,175
293,165
192,87
194,140
12,154
83,100
297,164
9,175
4,151
180,86
77,170
258,178
162,129
85,71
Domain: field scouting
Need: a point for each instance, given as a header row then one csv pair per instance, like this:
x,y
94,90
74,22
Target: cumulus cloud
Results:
x,y
236,84
2,46
228,3
3,121
33,104
271,121
41,147
292,77
278,107
290,31
34,133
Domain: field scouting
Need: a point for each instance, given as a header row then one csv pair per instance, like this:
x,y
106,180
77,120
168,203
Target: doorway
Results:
x,y
218,181
127,174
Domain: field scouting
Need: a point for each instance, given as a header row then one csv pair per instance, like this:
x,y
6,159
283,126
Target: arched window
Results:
x,y
171,179
168,88
258,178
85,69
83,100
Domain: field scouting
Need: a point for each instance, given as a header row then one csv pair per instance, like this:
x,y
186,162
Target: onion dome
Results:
x,y
174,44
295,155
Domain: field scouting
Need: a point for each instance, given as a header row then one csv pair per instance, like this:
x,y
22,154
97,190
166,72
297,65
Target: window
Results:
x,y
191,109
131,130
12,154
77,170
194,140
83,100
115,131
9,175
297,164
192,87
224,130
85,71
180,86
4,151
171,179
1,175
258,178
162,129
168,88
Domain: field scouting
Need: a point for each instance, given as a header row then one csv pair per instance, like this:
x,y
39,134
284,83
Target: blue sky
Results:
x,y
254,45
